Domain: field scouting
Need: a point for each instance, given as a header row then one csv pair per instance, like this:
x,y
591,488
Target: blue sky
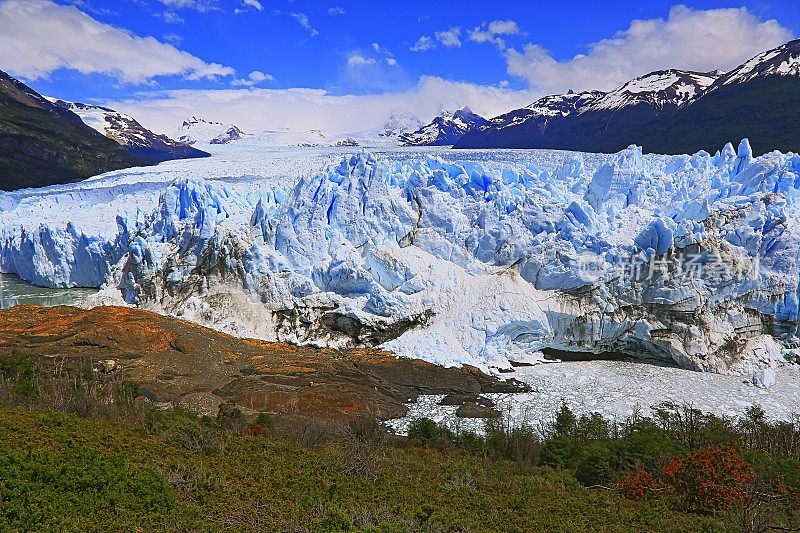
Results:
x,y
509,49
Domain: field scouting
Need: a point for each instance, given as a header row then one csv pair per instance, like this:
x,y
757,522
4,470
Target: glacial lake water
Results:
x,y
14,291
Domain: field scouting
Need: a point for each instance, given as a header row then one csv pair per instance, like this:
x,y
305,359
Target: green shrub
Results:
x,y
265,420
595,465
558,452
125,392
471,442
55,491
181,428
565,423
17,366
231,418
334,521
647,445
593,427
423,432
21,371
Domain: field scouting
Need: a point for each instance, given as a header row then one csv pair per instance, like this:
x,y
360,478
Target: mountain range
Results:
x,y
43,144
668,111
143,144
444,130
45,141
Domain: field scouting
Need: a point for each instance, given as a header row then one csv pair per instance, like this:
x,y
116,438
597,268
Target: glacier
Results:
x,y
484,258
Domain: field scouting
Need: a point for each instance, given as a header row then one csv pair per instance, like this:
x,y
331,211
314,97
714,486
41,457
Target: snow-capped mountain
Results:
x,y
759,99
196,130
444,130
591,120
126,131
44,144
660,89
534,118
400,121
231,134
561,105
781,61
669,111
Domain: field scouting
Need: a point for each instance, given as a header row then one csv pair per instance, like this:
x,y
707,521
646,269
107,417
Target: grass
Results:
x,y
63,472
80,452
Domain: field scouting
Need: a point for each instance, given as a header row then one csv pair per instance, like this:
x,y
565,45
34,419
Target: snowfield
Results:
x,y
467,257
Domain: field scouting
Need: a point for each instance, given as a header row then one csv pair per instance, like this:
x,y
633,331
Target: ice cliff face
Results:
x,y
687,259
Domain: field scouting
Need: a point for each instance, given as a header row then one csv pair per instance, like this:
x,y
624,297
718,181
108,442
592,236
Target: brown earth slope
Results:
x,y
186,364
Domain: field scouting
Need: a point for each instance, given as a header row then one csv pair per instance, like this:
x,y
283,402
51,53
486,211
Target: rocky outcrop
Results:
x,y
178,363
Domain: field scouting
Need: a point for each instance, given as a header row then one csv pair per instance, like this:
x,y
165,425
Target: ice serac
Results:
x,y
692,260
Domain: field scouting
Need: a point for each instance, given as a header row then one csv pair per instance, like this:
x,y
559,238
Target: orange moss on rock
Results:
x,y
184,363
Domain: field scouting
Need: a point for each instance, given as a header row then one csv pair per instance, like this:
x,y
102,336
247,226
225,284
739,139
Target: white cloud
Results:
x,y
303,109
39,37
450,38
489,32
259,76
254,78
247,5
302,20
688,39
255,4
503,27
170,17
336,11
198,5
423,43
357,60
173,38
388,56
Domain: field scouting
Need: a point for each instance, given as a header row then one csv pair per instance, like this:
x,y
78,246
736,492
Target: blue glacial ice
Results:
x,y
475,261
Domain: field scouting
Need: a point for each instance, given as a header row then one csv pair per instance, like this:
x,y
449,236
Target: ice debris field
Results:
x,y
458,257
617,389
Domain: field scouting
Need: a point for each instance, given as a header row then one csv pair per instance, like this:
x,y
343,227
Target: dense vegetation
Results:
x,y
767,111
81,451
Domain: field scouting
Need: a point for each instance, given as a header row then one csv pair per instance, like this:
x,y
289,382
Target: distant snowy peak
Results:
x,y
444,130
562,105
400,121
197,130
544,109
781,61
292,138
660,89
126,131
233,133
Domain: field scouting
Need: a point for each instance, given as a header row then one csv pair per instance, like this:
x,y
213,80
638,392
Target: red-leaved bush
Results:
x,y
636,484
710,479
